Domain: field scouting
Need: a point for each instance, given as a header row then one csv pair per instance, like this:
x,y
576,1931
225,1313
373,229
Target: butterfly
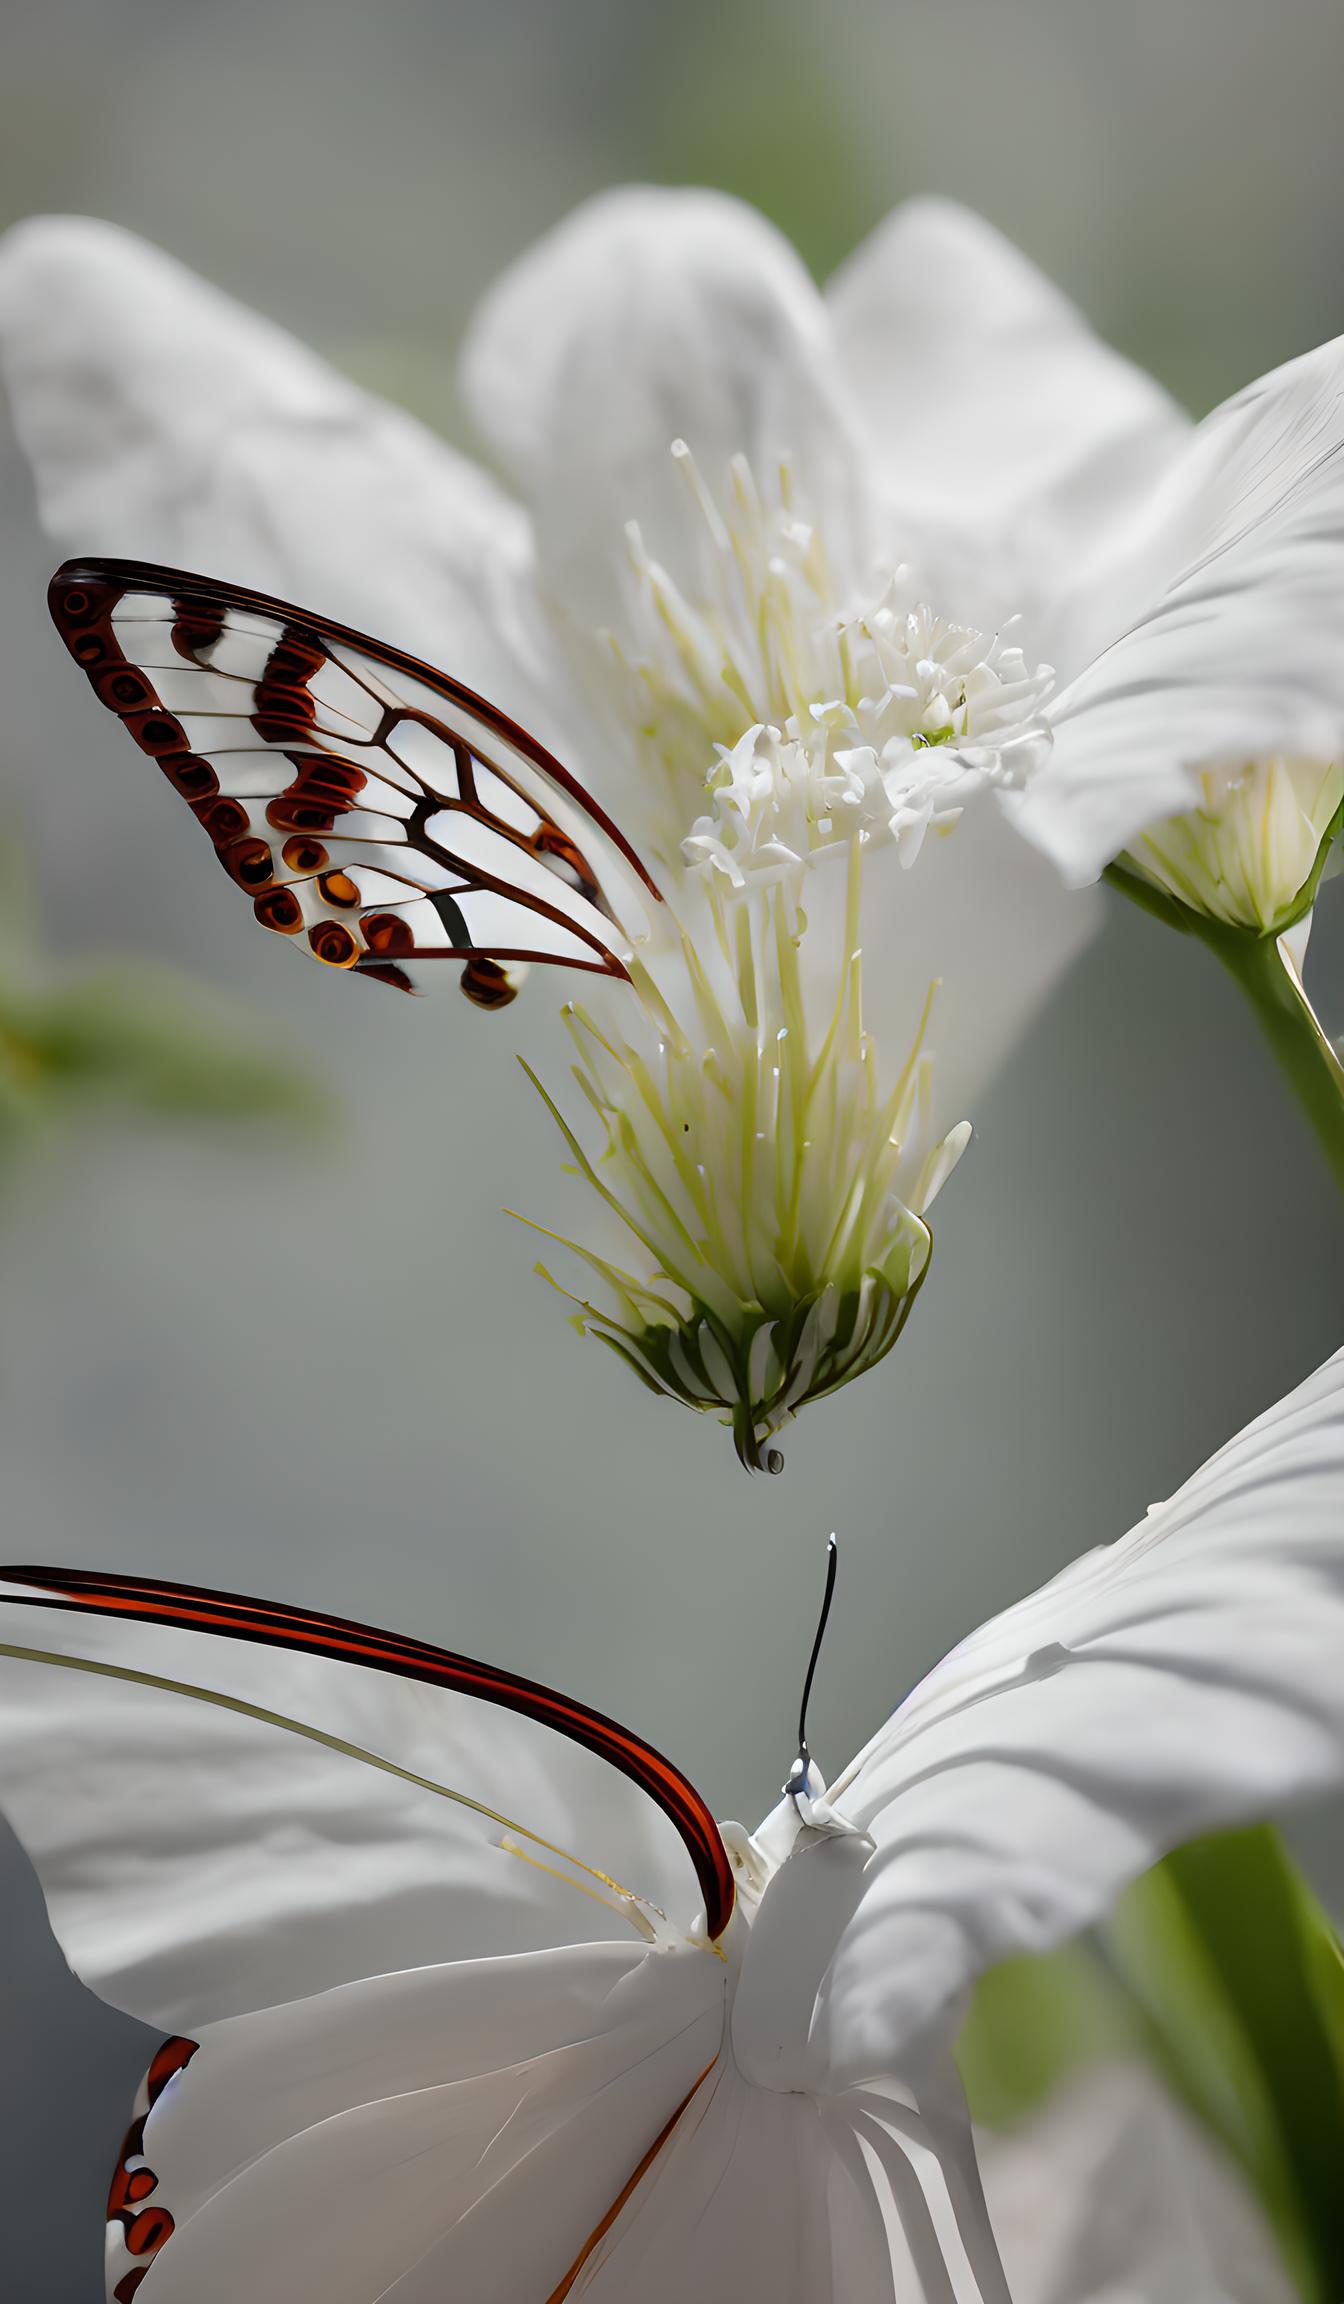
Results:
x,y
418,2044
469,1995
376,812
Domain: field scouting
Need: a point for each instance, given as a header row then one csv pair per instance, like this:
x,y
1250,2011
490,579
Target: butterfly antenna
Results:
x,y
832,1559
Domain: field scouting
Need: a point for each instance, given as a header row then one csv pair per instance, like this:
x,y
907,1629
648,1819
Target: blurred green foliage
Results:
x,y
1221,1968
125,1034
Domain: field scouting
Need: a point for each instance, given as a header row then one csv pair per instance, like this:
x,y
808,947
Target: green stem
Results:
x,y
1304,1054
1269,978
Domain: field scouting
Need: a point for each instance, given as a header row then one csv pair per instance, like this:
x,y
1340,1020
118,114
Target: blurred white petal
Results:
x,y
166,422
1111,2195
1209,626
990,407
647,317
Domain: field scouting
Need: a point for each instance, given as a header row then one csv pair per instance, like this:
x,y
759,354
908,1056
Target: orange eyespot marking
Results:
x,y
143,2230
304,855
196,629
566,859
384,972
124,2177
146,2233
289,815
333,944
155,731
90,649
322,790
486,984
338,888
387,935
194,779
284,708
123,689
249,862
224,820
84,602
280,909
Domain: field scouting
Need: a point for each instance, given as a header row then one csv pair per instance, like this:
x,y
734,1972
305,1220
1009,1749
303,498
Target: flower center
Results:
x,y
802,720
764,1175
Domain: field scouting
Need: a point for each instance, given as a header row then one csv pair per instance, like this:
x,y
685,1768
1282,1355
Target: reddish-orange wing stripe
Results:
x,y
601,2229
232,1616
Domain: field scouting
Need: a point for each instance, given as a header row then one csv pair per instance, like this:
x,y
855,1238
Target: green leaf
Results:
x,y
1239,1973
141,1039
1033,2022
1220,1967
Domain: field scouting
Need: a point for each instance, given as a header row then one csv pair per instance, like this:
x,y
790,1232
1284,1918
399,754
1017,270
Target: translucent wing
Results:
x,y
375,811
228,1801
387,1899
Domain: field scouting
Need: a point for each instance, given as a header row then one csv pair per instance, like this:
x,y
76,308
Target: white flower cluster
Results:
x,y
933,714
769,1190
898,713
769,1164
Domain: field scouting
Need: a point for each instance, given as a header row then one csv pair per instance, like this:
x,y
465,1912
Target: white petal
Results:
x,y
990,404
647,317
1185,1678
992,925
1213,623
197,1861
1111,2193
166,422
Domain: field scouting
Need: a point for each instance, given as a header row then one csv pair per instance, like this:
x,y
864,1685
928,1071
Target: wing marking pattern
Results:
x,y
372,808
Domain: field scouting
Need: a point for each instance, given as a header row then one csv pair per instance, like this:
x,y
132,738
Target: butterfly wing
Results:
x,y
375,811
222,1796
419,1928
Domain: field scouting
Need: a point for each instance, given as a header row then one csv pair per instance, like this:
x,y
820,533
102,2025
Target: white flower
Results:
x,y
710,611
481,2010
784,576
1201,737
789,581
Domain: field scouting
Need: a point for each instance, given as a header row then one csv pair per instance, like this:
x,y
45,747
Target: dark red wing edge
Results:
x,y
181,584
195,1608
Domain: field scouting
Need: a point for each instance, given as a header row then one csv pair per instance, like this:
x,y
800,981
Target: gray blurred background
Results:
x,y
225,1353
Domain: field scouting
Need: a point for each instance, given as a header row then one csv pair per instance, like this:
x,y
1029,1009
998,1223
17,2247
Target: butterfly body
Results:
x,y
373,809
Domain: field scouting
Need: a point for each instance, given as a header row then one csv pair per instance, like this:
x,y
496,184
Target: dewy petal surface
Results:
x,y
1184,1678
646,317
1211,623
988,402
167,422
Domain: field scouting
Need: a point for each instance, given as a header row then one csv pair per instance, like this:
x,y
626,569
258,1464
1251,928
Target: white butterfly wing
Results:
x,y
376,812
428,1933
228,1802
